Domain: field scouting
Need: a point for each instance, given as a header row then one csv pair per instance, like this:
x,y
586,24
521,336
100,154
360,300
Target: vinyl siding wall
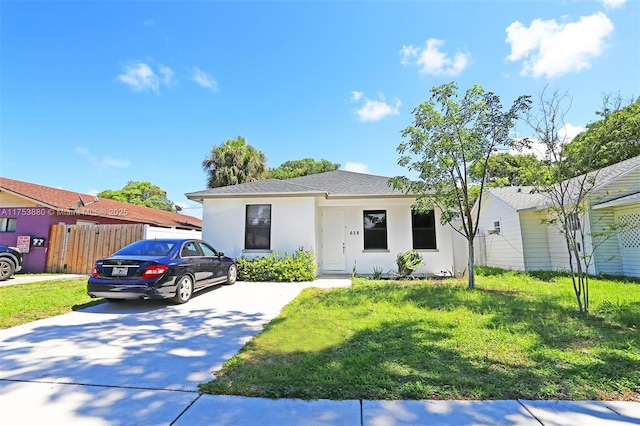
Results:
x,y
606,257
629,240
535,242
503,250
610,256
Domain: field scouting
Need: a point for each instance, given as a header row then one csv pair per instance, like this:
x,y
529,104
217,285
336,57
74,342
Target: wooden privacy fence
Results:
x,y
73,249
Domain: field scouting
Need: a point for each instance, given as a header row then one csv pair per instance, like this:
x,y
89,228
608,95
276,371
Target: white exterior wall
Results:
x,y
534,242
629,240
606,257
557,249
292,224
613,255
297,222
151,232
399,237
502,250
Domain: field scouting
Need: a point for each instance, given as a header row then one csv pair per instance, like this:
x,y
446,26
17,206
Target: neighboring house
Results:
x,y
515,238
349,220
29,210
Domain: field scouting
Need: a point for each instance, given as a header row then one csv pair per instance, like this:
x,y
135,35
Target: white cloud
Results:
x,y
565,135
613,4
204,80
167,74
433,61
407,53
106,161
373,110
356,167
569,131
552,49
536,148
93,191
139,76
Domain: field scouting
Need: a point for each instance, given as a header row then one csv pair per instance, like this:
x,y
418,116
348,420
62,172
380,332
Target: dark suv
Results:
x,y
10,261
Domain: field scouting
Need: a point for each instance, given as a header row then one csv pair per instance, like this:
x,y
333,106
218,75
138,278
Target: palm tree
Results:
x,y
234,162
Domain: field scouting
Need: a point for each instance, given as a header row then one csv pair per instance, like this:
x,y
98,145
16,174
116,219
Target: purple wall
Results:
x,y
36,222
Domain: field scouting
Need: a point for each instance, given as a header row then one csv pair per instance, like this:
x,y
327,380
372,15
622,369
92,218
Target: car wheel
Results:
x,y
184,290
232,274
6,269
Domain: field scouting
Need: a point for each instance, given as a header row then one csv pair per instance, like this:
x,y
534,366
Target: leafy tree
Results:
x,y
447,137
142,194
616,136
307,166
505,169
234,162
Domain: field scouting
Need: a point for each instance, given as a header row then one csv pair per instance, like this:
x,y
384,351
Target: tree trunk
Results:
x,y
470,268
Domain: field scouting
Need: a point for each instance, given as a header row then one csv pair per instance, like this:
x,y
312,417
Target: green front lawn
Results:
x,y
515,336
22,303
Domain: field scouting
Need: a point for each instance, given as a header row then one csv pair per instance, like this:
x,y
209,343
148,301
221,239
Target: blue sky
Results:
x,y
96,94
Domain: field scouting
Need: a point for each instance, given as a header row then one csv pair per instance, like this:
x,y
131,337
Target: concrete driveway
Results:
x,y
133,362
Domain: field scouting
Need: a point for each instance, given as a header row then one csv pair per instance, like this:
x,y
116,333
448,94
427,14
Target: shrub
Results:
x,y
300,266
408,262
376,272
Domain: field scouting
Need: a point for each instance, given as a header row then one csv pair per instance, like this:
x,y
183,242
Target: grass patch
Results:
x,y
515,336
22,303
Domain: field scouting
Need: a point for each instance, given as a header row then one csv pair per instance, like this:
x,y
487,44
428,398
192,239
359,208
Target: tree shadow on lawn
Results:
x,y
564,355
132,346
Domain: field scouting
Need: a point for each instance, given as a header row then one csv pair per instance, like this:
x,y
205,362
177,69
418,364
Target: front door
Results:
x,y
333,248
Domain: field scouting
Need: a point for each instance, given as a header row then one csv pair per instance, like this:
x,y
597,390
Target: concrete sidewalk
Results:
x,y
60,404
239,411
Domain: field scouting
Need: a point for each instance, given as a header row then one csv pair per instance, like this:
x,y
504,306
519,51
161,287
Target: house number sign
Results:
x,y
354,232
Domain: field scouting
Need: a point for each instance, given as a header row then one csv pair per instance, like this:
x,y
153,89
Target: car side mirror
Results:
x,y
220,254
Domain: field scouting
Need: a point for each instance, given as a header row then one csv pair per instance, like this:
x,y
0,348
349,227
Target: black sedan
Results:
x,y
10,261
160,269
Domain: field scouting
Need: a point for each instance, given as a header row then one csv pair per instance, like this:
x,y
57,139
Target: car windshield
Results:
x,y
146,248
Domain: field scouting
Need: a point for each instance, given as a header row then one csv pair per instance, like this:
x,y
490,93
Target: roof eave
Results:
x,y
201,197
364,196
33,200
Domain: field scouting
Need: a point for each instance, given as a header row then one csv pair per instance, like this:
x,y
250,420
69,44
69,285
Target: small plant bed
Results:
x,y
299,266
514,336
23,303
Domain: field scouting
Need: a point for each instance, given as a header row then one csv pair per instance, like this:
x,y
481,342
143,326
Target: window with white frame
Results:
x,y
497,228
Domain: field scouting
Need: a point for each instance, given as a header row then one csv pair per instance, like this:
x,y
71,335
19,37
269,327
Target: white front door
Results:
x,y
333,257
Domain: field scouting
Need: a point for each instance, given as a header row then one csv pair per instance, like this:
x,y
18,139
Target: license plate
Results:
x,y
119,271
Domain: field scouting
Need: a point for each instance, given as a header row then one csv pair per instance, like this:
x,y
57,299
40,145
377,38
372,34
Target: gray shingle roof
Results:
x,y
335,183
340,182
519,197
522,198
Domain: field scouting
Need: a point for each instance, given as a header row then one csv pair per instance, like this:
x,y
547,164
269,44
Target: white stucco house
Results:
x,y
347,219
513,237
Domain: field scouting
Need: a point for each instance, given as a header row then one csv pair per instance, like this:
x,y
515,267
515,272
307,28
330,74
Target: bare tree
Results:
x,y
568,193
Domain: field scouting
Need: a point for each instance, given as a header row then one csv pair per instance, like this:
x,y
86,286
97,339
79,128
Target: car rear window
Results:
x,y
146,248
